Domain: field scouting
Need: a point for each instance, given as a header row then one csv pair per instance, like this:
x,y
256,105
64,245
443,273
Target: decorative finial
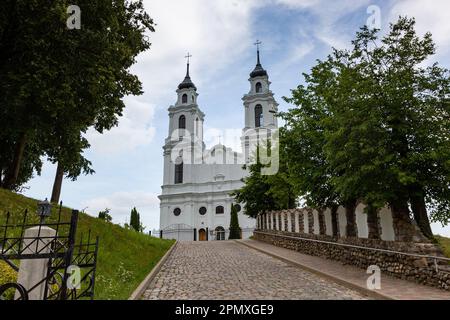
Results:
x,y
257,43
188,60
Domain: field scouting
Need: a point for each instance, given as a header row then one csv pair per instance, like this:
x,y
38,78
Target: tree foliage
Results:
x,y
55,83
235,229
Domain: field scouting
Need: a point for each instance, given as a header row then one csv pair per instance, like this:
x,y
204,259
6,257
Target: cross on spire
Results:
x,y
188,59
257,43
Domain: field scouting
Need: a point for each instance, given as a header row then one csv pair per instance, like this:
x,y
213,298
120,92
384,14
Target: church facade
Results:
x,y
195,203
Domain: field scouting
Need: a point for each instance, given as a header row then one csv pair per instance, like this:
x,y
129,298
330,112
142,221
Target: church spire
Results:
x,y
187,82
259,70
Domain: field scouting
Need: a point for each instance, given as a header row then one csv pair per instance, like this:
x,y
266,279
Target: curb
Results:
x,y
343,282
137,293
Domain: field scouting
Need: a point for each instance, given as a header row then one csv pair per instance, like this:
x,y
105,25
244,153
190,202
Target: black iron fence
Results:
x,y
61,251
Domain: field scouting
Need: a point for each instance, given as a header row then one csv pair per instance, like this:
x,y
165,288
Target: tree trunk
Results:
x,y
13,171
350,208
403,228
57,184
372,222
419,209
334,221
322,224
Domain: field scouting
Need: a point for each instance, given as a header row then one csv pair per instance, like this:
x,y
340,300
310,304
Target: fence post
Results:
x,y
32,271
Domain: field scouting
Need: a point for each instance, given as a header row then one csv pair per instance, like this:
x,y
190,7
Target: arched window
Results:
x,y
258,116
179,173
258,87
182,122
220,233
193,99
219,210
184,98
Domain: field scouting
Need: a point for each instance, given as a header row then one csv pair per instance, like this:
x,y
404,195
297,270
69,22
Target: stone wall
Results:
x,y
418,269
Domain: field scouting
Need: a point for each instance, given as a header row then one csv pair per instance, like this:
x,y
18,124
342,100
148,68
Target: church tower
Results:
x,y
184,144
260,107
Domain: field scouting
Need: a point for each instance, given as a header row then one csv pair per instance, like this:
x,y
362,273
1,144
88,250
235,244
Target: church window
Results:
x,y
177,212
193,99
202,211
184,98
182,122
179,173
258,87
258,116
196,127
219,210
220,233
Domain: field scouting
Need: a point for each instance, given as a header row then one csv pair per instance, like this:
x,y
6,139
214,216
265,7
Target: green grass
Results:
x,y
444,244
125,257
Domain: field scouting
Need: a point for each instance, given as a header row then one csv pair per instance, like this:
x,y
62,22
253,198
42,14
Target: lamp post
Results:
x,y
44,210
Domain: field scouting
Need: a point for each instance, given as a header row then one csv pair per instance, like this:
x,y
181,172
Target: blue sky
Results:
x,y
220,35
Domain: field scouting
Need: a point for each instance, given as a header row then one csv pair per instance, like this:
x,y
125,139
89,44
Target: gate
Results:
x,y
60,250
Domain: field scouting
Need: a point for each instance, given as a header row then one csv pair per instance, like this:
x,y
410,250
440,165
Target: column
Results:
x,y
283,218
289,221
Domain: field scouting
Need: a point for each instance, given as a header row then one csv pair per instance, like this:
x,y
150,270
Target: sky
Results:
x,y
220,35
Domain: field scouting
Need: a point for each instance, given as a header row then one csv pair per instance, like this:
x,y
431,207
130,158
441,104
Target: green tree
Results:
x,y
235,229
135,221
380,123
104,215
56,83
262,193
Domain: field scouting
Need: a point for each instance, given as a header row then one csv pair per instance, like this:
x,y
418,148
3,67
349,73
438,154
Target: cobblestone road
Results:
x,y
228,270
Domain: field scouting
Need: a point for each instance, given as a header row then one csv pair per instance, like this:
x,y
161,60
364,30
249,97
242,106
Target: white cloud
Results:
x,y
134,130
121,204
431,16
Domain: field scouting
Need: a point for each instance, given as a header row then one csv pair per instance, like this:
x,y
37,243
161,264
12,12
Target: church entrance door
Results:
x,y
202,235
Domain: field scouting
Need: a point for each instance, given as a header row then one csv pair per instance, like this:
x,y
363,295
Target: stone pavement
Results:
x,y
350,276
230,270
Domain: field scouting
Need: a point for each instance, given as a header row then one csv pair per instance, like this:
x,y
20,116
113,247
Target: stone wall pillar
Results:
x,y
282,221
32,271
296,218
276,218
289,219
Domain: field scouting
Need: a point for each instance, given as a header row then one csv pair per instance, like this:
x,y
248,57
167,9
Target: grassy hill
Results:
x,y
125,257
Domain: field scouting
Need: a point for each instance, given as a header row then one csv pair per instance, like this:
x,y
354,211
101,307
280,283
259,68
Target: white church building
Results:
x,y
195,203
